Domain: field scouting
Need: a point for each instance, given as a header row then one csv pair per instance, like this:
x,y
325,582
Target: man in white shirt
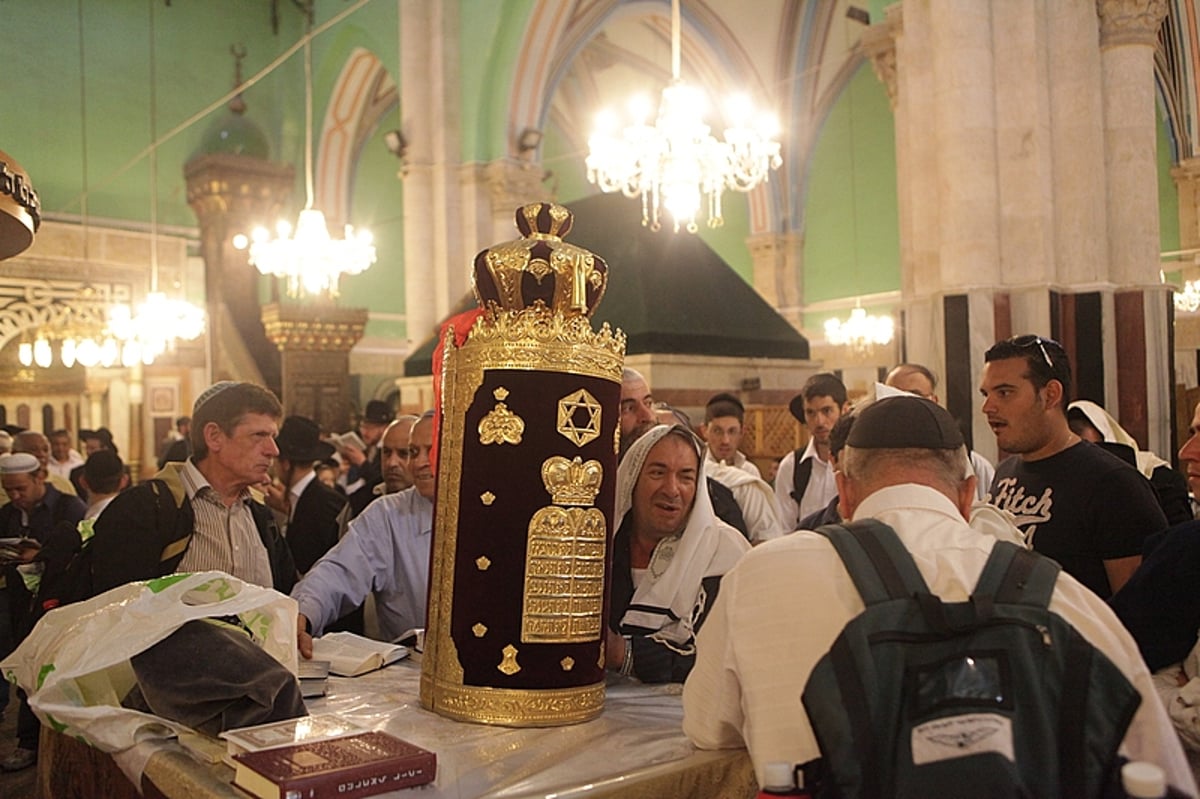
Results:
x,y
386,551
781,607
62,457
818,406
724,416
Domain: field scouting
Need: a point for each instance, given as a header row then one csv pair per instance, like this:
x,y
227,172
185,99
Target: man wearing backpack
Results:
x,y
804,483
783,605
205,512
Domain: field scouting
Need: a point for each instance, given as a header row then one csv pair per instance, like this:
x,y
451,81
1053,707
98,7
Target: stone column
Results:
x,y
1128,33
436,263
233,194
314,343
778,261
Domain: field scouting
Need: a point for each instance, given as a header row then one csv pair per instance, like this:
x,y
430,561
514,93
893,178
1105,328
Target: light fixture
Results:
x,y
396,143
528,140
1188,300
160,320
311,261
861,332
675,164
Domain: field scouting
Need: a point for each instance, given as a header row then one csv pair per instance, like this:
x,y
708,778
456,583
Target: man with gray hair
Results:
x,y
206,512
783,605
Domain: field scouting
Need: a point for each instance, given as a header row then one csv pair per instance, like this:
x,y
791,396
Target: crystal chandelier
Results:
x,y
86,340
860,332
311,261
1188,300
676,165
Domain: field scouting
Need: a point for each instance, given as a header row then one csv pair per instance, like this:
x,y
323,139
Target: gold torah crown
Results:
x,y
541,268
572,482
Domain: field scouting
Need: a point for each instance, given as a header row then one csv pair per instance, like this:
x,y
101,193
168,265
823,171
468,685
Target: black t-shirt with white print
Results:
x,y
1081,507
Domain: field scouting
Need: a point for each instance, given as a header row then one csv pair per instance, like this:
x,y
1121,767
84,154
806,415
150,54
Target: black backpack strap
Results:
x,y
171,522
1015,575
800,476
877,561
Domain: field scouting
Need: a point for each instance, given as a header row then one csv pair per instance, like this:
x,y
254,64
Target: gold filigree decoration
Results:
x,y
507,263
567,663
570,408
480,629
539,268
487,497
516,707
572,482
482,563
501,426
558,214
617,439
537,339
509,664
564,576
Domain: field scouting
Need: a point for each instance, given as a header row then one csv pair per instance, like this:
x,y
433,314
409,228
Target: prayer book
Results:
x,y
350,438
274,734
350,655
350,767
313,677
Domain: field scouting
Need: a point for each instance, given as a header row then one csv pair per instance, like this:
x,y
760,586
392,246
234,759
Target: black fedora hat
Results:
x,y
299,439
378,412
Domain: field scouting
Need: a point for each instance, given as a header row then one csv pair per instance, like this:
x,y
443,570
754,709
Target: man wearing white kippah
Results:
x,y
205,513
34,509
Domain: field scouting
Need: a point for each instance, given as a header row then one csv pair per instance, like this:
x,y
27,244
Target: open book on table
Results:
x,y
350,655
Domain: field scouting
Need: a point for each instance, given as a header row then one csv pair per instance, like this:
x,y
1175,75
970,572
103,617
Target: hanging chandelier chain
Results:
x,y
153,160
308,115
675,43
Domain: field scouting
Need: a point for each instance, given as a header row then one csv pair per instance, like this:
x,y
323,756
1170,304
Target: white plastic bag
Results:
x,y
75,667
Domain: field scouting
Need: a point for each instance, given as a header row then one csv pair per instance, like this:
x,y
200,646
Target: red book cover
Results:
x,y
352,767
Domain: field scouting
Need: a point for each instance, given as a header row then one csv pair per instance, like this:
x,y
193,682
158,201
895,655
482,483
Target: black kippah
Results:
x,y
904,423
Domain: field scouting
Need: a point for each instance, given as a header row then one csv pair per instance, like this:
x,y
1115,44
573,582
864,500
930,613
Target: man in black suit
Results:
x,y
310,507
366,467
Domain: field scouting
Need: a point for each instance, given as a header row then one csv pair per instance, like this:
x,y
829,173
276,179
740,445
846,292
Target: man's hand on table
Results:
x,y
303,637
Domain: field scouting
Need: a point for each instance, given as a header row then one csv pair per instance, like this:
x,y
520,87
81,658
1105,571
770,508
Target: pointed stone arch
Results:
x,y
362,95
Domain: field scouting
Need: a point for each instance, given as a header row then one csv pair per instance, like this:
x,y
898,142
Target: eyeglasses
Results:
x,y
1030,340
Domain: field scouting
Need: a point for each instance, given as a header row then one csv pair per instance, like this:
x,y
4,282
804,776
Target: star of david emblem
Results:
x,y
579,417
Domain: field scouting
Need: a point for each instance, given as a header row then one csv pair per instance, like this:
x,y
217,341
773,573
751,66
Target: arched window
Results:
x,y
47,418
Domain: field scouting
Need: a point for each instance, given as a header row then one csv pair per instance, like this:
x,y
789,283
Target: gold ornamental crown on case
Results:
x,y
540,269
572,482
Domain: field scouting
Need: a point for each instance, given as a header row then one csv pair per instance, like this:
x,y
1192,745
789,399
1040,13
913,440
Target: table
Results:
x,y
635,748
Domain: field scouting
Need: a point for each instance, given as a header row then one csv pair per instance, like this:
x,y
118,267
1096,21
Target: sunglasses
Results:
x,y
1026,341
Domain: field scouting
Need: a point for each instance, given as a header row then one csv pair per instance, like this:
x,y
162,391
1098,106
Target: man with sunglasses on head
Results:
x,y
1075,502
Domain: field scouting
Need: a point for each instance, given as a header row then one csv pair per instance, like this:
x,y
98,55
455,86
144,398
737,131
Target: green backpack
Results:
x,y
991,697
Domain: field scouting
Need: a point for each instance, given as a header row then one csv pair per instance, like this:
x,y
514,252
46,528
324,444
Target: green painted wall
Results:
x,y
852,238
43,117
492,31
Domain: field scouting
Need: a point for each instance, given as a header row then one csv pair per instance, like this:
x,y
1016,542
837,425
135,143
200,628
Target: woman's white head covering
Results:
x,y
1113,433
670,599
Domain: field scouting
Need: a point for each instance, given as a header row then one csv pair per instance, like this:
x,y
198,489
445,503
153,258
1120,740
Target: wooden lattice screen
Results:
x,y
770,431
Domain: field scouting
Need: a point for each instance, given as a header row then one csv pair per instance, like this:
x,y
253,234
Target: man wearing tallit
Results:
x,y
669,553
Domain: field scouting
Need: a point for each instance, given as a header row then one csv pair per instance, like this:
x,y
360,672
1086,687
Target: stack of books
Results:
x,y
313,678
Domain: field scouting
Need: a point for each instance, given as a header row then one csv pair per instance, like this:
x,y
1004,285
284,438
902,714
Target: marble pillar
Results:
x,y
1027,189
